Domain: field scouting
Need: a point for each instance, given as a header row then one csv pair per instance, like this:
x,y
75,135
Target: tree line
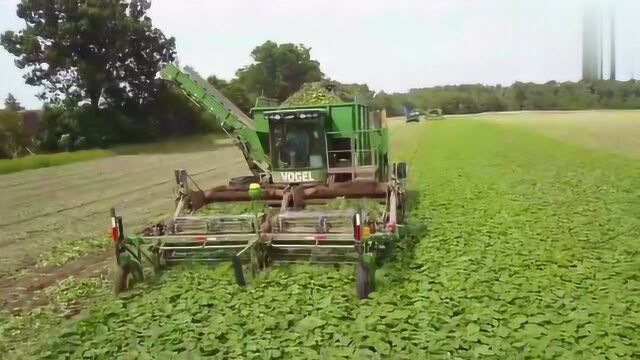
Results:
x,y
96,63
468,99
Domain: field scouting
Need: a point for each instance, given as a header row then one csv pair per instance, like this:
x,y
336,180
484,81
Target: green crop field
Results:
x,y
613,131
519,245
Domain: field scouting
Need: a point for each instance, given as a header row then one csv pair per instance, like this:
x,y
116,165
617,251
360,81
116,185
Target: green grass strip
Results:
x,y
8,166
184,144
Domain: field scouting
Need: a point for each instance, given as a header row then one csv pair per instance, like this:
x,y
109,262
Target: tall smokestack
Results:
x,y
613,44
592,43
601,46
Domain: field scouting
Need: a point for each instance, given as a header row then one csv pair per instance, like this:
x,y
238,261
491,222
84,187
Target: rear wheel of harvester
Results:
x,y
157,260
259,257
385,168
363,280
238,272
401,208
400,170
128,274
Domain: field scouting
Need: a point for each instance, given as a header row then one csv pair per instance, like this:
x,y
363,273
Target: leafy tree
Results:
x,y
459,99
239,96
13,138
51,127
95,51
12,104
277,73
173,113
278,70
234,91
218,83
519,95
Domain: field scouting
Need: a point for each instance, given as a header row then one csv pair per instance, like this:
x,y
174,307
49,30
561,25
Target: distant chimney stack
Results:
x,y
613,43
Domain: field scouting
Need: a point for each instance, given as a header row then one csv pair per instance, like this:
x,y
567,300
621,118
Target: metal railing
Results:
x,y
206,238
359,157
316,236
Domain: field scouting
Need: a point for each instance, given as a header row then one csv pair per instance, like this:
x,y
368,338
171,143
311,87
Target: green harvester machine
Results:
x,y
302,160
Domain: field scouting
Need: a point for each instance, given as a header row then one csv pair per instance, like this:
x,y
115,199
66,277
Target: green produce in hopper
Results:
x,y
313,94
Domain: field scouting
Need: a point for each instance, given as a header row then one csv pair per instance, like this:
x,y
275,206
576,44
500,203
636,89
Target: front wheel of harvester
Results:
x,y
157,260
402,208
363,280
126,277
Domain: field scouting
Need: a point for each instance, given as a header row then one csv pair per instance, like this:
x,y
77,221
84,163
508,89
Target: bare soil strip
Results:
x,y
42,208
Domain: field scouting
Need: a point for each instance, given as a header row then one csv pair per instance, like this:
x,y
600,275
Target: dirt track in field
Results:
x,y
44,207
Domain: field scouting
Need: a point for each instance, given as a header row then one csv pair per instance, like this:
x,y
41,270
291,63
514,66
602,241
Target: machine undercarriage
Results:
x,y
287,223
304,160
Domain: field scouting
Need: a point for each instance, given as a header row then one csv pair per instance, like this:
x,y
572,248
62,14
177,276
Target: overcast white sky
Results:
x,y
392,45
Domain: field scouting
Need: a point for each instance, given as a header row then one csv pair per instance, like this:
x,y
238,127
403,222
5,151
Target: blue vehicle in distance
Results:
x,y
413,115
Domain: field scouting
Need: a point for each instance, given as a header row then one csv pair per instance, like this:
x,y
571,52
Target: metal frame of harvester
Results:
x,y
348,159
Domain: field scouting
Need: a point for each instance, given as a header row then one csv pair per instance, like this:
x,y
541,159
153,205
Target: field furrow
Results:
x,y
54,210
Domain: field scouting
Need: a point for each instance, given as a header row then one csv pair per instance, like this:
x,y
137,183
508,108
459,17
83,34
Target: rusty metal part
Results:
x,y
349,190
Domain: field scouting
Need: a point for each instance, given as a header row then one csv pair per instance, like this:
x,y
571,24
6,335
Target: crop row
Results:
x,y
518,247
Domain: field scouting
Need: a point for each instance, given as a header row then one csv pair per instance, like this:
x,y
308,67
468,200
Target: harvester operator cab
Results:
x,y
298,145
295,150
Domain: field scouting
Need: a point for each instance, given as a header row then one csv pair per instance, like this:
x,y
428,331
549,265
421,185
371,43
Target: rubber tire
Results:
x,y
238,272
124,279
242,181
400,170
157,261
385,166
363,285
402,209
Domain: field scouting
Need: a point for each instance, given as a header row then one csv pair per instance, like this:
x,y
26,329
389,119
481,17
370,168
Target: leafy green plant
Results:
x,y
521,247
72,290
18,332
312,94
46,160
64,252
